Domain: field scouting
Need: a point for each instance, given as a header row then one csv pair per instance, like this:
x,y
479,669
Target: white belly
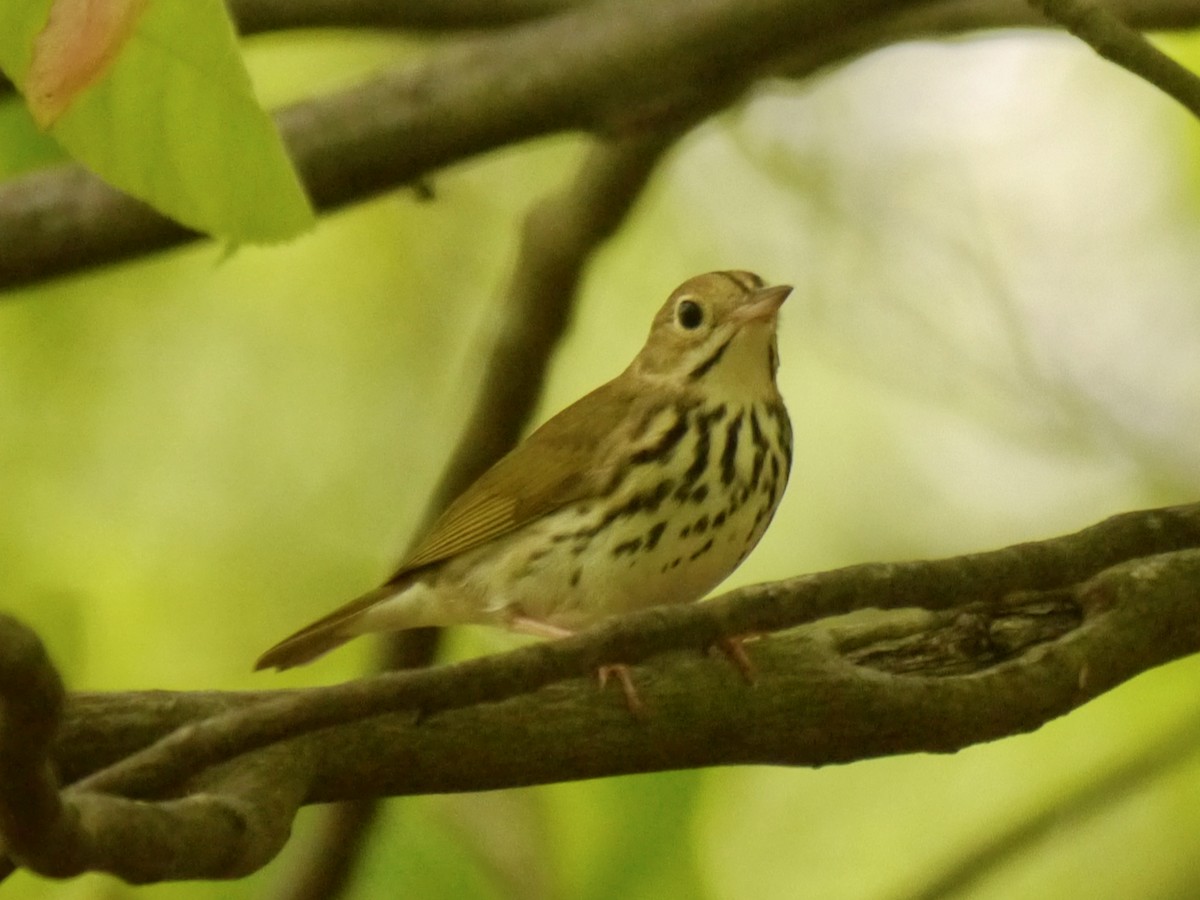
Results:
x,y
670,533
663,539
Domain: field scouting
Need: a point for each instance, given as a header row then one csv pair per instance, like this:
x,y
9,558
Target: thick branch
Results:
x,y
1006,641
609,67
1056,572
235,819
1028,585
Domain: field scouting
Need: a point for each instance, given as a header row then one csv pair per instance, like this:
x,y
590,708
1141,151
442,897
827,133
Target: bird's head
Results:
x,y
717,332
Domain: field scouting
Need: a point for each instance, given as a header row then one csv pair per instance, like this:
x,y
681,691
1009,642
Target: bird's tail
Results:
x,y
324,634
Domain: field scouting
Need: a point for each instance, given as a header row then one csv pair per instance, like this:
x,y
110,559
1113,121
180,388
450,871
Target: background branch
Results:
x,y
1099,27
254,16
608,67
1099,792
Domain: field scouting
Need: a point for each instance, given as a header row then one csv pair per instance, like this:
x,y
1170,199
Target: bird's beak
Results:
x,y
763,303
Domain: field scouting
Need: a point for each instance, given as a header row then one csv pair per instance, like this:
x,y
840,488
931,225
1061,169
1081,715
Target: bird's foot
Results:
x,y
536,627
735,651
636,708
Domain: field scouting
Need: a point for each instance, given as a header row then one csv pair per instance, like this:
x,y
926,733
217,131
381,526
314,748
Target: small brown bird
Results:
x,y
649,490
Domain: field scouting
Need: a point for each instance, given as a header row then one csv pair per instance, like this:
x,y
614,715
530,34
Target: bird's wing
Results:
x,y
560,463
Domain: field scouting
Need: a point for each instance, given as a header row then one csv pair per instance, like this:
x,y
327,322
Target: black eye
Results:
x,y
690,314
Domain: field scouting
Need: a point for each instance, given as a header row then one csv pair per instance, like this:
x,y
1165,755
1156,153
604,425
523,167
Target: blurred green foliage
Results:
x,y
201,452
162,108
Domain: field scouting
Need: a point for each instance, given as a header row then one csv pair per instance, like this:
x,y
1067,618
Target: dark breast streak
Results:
x,y
694,495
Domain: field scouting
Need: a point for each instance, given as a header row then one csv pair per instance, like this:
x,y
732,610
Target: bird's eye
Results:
x,y
690,314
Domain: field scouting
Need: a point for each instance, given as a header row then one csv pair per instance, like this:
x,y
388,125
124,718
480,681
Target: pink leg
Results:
x,y
537,628
735,652
636,708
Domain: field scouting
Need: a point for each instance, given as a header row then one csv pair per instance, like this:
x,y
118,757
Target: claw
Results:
x,y
526,625
735,651
632,700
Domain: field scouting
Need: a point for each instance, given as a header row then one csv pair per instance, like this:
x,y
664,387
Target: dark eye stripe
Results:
x,y
747,281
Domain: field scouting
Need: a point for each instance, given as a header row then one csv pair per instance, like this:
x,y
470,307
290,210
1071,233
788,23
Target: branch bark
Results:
x,y
613,68
973,648
234,819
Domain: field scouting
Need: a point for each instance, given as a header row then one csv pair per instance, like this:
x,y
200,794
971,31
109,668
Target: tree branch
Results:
x,y
1104,31
255,16
561,235
233,821
1006,641
31,701
611,67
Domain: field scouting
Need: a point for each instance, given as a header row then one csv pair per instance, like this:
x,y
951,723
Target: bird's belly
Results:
x,y
669,532
576,569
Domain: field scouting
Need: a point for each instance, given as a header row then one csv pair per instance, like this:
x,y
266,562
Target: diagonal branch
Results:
x,y
562,233
1097,25
1171,751
615,67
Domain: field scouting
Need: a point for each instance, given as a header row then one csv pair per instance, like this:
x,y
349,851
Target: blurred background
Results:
x,y
994,338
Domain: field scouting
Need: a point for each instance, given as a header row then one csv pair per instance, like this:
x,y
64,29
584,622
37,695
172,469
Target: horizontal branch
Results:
x,y
1062,564
611,67
971,649
254,16
1023,576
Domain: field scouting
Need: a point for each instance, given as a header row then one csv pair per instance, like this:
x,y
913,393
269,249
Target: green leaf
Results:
x,y
173,121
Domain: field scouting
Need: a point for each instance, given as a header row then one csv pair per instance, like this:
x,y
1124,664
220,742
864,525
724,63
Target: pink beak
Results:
x,y
764,303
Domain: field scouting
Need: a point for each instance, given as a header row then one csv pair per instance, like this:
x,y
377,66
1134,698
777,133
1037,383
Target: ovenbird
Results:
x,y
649,490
